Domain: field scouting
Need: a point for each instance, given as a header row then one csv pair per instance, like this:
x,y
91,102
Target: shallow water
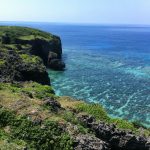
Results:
x,y
121,86
109,65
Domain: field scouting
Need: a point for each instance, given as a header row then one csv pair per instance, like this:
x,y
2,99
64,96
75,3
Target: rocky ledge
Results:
x,y
25,53
115,138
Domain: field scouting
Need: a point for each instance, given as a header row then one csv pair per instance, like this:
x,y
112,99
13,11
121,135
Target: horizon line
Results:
x,y
80,23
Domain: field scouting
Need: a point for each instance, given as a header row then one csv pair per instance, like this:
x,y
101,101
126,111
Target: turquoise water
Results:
x,y
118,83
109,65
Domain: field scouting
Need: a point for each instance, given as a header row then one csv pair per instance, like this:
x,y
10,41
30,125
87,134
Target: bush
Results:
x,y
6,117
49,135
70,117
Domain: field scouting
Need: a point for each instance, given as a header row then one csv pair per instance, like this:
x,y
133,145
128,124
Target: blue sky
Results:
x,y
77,11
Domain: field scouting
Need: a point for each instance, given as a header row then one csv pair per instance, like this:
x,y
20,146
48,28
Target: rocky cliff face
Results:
x,y
24,53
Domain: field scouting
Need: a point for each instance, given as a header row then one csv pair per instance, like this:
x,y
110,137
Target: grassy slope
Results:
x,y
22,105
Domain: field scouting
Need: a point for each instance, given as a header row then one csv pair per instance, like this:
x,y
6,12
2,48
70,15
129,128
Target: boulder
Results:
x,y
148,143
57,64
89,142
52,56
54,62
54,104
130,141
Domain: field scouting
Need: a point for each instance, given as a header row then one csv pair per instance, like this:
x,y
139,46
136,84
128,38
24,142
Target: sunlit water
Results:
x,y
109,65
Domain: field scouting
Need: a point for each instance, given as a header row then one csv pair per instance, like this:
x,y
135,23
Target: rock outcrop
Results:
x,y
117,139
54,62
55,105
89,142
21,67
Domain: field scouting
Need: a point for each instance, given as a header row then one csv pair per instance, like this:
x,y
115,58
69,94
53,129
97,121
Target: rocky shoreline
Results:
x,y
114,138
33,117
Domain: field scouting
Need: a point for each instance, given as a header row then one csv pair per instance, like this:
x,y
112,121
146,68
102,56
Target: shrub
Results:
x,y
6,117
70,117
49,135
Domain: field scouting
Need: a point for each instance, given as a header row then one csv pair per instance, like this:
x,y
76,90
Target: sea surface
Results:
x,y
105,64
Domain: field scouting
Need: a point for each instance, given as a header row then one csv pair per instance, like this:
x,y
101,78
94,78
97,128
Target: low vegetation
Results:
x,y
100,114
22,33
49,135
25,122
30,59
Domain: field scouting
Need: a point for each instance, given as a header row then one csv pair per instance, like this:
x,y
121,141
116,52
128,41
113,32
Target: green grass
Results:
x,y
33,37
33,62
30,59
93,109
23,32
70,117
2,62
100,114
32,89
124,124
38,90
27,37
10,46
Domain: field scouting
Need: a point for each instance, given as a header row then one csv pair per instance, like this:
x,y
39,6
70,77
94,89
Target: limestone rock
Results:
x,y
24,54
54,104
117,139
57,64
89,142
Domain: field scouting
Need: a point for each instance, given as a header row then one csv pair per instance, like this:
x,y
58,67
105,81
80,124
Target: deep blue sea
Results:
x,y
105,64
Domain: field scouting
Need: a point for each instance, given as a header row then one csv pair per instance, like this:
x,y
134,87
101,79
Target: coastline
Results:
x,y
34,117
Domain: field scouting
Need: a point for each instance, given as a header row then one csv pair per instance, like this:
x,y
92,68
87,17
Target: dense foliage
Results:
x,y
48,135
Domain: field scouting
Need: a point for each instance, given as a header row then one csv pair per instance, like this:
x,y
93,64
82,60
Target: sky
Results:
x,y
77,11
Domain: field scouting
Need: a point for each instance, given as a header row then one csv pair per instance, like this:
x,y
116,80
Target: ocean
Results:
x,y
105,64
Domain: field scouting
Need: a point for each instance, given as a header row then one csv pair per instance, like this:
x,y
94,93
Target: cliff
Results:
x,y
25,54
33,117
